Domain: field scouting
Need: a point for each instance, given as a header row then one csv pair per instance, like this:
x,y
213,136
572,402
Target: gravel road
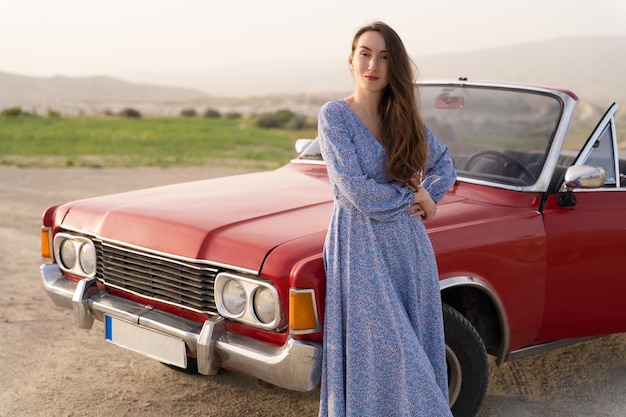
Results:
x,y
50,368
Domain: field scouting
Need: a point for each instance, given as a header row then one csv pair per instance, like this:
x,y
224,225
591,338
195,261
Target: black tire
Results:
x,y
468,369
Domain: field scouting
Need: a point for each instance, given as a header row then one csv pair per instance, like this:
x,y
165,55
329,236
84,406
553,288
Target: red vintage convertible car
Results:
x,y
228,272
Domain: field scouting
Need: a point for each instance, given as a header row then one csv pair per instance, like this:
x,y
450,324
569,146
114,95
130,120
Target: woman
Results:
x,y
384,352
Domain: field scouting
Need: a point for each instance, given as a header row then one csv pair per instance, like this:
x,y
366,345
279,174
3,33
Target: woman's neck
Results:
x,y
366,107
365,103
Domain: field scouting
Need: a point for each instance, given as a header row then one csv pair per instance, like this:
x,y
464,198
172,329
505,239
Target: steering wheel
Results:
x,y
508,159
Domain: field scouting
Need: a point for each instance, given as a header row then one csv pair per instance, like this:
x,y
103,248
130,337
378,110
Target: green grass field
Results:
x,y
159,141
163,141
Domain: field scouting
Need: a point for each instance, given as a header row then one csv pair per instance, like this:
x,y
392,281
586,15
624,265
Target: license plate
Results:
x,y
159,346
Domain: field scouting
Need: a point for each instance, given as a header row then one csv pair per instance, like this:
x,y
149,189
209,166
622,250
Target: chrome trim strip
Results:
x,y
295,366
159,253
191,263
599,190
468,281
618,182
545,347
494,84
525,188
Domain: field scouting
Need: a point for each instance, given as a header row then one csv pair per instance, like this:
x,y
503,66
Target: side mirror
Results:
x,y
583,176
302,144
580,176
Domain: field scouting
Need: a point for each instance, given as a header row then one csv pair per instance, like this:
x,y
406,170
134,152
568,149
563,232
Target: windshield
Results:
x,y
497,135
493,134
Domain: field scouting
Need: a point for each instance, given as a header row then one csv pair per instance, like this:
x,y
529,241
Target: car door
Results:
x,y
586,245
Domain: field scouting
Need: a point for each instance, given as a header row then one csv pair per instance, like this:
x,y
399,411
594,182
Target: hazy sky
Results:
x,y
154,40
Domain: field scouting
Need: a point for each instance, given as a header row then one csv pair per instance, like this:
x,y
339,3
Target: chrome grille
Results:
x,y
182,283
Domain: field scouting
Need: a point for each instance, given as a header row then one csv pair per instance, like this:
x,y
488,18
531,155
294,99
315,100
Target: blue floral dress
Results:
x,y
384,343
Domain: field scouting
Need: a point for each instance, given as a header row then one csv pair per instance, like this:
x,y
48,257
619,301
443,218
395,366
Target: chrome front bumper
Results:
x,y
296,365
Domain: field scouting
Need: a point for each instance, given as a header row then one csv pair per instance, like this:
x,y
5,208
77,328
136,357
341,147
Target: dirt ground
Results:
x,y
50,368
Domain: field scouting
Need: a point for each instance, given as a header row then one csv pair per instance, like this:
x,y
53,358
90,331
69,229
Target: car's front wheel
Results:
x,y
468,370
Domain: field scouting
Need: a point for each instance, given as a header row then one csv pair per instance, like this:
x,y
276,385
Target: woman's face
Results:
x,y
368,62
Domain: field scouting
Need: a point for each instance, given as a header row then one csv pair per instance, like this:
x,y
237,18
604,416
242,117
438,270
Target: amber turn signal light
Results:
x,y
46,242
303,317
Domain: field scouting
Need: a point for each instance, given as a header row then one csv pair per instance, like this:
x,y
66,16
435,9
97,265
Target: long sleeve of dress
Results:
x,y
382,201
439,174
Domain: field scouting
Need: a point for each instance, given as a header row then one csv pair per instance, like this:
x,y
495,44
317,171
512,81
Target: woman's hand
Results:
x,y
423,205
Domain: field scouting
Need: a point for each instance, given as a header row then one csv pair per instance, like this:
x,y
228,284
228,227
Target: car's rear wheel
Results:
x,y
468,370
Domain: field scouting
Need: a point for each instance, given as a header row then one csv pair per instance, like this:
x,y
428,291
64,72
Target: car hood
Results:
x,y
233,220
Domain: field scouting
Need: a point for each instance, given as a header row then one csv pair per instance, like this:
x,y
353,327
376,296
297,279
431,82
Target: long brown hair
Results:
x,y
402,132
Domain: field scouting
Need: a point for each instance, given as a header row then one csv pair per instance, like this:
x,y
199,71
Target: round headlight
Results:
x,y
264,305
68,254
234,297
87,258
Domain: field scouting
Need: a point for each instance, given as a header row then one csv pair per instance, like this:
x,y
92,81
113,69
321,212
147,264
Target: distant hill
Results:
x,y
592,67
90,89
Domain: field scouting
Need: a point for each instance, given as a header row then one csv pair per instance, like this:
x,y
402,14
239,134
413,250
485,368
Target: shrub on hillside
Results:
x,y
285,116
53,114
188,113
233,115
284,119
297,122
212,114
130,113
12,112
268,120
